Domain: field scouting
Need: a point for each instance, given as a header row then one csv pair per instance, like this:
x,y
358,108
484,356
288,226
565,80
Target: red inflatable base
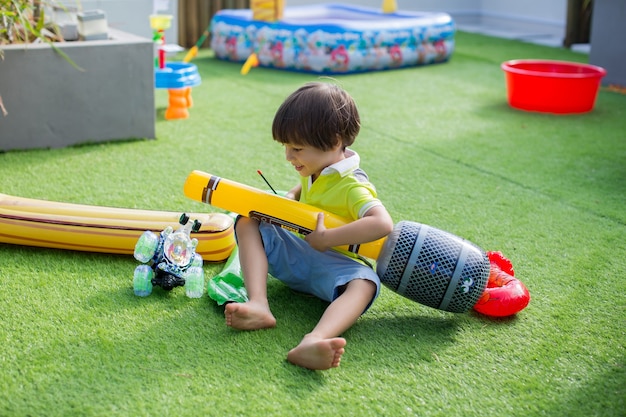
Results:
x,y
505,295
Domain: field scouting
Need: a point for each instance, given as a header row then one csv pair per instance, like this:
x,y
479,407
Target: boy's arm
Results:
x,y
294,193
376,224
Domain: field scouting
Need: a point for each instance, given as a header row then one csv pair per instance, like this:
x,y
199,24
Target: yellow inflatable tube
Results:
x,y
271,208
31,222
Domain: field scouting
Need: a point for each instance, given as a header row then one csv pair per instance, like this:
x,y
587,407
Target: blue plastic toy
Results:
x,y
169,260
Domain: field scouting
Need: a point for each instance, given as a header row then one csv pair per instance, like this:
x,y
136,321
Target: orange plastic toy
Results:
x,y
178,104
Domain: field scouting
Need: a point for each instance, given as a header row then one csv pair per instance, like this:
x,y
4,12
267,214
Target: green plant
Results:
x,y
24,21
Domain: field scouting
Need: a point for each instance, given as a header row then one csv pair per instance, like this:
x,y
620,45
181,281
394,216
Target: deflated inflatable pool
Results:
x,y
334,38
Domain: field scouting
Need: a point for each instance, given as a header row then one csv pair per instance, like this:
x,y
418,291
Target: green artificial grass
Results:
x,y
444,149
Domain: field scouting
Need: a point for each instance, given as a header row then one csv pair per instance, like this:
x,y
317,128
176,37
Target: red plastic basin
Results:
x,y
552,86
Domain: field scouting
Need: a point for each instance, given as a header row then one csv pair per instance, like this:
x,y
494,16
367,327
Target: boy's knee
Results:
x,y
244,224
362,285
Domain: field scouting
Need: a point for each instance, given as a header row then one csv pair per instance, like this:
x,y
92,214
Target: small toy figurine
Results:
x,y
170,260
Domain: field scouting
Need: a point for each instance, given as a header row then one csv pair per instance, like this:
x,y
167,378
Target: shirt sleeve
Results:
x,y
361,198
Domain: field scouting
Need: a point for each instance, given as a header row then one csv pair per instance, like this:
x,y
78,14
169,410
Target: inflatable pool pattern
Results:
x,y
334,38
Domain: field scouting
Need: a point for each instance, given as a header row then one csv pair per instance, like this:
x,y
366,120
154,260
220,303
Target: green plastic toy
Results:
x,y
227,286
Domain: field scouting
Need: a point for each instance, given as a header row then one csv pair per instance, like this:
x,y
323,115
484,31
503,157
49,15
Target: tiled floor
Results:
x,y
539,38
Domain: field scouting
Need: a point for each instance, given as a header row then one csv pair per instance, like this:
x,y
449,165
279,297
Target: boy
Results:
x,y
316,124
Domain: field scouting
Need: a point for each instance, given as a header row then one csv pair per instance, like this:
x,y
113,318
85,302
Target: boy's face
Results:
x,y
310,161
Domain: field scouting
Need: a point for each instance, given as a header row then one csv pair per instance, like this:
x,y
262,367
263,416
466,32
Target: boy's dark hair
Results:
x,y
317,114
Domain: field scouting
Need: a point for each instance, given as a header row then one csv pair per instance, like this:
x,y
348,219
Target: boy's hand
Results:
x,y
317,237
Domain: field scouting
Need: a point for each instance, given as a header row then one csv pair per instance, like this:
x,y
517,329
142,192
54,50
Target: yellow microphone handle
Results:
x,y
271,208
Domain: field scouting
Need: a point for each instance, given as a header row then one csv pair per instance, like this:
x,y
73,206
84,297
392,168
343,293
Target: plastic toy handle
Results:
x,y
252,61
390,6
191,54
194,49
251,202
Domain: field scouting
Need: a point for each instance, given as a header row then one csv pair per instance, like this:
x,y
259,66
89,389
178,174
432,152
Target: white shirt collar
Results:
x,y
346,165
343,167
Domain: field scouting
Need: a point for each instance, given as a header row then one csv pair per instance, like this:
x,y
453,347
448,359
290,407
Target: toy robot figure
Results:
x,y
170,260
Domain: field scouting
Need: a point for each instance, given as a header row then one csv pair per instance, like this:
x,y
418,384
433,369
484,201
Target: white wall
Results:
x,y
535,15
532,15
542,10
549,16
131,16
423,5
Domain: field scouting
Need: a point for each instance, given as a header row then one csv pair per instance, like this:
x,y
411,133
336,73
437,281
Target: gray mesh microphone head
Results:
x,y
433,267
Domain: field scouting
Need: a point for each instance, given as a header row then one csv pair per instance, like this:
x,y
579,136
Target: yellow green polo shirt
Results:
x,y
342,189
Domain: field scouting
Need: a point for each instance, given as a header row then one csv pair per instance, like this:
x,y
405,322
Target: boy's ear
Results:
x,y
339,142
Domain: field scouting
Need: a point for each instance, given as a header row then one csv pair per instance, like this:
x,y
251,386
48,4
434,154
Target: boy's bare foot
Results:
x,y
317,353
248,316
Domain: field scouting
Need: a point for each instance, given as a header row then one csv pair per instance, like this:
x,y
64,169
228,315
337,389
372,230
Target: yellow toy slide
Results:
x,y
31,222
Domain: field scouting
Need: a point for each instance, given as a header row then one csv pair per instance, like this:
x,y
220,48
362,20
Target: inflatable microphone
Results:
x,y
419,262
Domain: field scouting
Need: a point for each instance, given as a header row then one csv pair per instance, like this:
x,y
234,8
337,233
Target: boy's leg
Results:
x,y
254,314
322,349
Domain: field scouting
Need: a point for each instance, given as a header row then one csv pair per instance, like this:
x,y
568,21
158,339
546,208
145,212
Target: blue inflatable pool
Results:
x,y
334,38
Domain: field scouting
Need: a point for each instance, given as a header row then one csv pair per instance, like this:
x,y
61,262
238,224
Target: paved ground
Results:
x,y
526,35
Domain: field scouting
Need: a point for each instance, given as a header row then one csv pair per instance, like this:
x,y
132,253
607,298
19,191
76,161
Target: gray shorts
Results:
x,y
323,274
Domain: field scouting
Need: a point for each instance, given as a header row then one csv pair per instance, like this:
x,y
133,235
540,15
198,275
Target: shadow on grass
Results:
x,y
95,333
108,348
160,113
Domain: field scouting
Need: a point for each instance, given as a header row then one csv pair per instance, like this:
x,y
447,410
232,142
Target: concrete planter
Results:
x,y
51,104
